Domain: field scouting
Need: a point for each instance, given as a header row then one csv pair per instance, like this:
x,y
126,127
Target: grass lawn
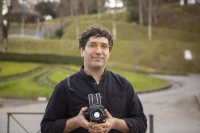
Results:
x,y
42,83
13,68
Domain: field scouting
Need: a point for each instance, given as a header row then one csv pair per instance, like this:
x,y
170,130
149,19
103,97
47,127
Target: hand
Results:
x,y
102,127
80,118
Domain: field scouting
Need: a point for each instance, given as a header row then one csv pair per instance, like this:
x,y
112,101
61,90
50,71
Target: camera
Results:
x,y
95,112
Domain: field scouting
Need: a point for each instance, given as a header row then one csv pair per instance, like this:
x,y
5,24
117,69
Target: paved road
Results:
x,y
175,110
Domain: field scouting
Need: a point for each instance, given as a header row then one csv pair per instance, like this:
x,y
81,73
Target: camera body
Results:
x,y
95,112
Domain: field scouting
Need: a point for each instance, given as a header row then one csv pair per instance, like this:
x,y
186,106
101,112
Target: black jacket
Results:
x,y
118,97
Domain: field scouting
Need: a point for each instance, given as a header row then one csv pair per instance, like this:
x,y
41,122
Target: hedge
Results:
x,y
41,58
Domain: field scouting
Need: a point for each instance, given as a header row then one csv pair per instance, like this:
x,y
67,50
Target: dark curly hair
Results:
x,y
95,30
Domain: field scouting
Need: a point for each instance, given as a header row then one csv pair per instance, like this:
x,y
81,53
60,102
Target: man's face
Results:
x,y
96,52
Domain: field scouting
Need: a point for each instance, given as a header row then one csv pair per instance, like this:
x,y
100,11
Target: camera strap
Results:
x,y
77,93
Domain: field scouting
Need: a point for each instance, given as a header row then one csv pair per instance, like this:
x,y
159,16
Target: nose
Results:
x,y
98,50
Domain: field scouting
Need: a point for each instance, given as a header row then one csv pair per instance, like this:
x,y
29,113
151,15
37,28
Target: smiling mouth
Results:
x,y
98,58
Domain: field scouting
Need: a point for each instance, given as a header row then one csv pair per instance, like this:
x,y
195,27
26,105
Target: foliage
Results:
x,y
59,32
45,8
132,11
42,58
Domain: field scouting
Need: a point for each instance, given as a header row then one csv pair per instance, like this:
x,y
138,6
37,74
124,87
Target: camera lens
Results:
x,y
96,114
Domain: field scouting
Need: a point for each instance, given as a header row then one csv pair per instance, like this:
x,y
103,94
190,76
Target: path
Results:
x,y
175,110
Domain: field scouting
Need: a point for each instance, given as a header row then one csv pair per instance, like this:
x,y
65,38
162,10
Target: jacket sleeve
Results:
x,y
136,120
56,111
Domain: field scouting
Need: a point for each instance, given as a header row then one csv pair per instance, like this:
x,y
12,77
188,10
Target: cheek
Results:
x,y
108,55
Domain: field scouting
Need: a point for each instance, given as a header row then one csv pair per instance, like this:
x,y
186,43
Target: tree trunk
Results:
x,y
150,20
114,29
140,12
185,2
71,8
86,7
4,36
5,27
1,19
99,9
77,21
155,13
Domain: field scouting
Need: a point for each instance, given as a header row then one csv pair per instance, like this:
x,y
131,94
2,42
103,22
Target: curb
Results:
x,y
156,90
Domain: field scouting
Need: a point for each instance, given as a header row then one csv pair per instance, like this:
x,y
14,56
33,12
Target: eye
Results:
x,y
104,45
93,45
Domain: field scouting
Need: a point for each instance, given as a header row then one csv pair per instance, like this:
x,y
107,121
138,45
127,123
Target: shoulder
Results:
x,y
119,79
116,76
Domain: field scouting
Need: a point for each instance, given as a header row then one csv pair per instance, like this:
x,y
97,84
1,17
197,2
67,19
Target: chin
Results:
x,y
98,65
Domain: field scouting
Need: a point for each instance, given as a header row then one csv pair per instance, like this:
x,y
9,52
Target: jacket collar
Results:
x,y
84,75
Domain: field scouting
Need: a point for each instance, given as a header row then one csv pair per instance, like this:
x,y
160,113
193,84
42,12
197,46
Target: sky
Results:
x,y
112,3
189,2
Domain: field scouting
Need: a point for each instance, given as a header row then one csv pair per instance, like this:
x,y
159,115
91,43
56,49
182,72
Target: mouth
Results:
x,y
97,57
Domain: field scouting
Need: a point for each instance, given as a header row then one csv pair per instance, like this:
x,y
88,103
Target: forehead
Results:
x,y
98,39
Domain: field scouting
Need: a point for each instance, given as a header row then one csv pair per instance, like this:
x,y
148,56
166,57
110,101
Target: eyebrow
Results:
x,y
97,42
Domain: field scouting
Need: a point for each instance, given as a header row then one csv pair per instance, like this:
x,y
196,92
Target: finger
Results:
x,y
91,124
95,130
107,113
98,125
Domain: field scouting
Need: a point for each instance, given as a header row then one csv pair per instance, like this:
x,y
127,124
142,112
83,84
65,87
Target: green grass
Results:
x,y
13,68
142,82
182,18
59,75
42,82
24,87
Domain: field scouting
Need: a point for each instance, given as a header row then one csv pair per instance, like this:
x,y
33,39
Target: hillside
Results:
x,y
132,50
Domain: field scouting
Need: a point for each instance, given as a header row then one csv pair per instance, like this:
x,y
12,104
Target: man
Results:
x,y
66,107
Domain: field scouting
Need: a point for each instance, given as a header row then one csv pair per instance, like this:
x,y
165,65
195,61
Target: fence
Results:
x,y
11,115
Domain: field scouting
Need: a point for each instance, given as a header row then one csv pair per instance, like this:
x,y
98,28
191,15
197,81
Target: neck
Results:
x,y
96,73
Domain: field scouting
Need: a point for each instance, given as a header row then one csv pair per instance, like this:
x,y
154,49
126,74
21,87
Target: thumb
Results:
x,y
83,109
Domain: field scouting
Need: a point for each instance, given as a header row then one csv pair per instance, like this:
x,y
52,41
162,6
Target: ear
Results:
x,y
81,52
